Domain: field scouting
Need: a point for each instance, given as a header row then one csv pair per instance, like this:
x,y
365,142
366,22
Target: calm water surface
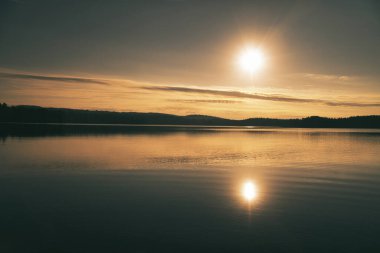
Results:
x,y
183,189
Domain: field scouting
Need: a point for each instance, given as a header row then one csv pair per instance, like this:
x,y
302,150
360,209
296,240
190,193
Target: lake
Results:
x,y
99,188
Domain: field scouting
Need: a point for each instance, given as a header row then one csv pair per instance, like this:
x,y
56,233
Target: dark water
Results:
x,y
181,189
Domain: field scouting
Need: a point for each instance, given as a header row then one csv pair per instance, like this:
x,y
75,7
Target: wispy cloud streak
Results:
x,y
324,77
268,97
211,101
52,78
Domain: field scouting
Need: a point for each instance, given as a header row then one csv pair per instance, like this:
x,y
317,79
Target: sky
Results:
x,y
180,56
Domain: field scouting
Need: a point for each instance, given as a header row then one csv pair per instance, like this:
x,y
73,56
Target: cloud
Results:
x,y
213,101
268,97
52,78
353,104
325,77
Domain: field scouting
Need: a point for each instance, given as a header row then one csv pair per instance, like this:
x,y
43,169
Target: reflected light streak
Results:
x,y
249,191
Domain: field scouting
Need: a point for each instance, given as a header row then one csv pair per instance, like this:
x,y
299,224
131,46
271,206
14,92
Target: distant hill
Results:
x,y
36,114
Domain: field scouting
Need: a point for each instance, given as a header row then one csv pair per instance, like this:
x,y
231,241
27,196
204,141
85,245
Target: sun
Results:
x,y
251,60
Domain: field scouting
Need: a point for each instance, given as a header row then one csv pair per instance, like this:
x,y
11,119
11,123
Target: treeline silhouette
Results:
x,y
36,114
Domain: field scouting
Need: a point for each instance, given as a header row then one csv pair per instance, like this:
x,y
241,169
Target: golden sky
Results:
x,y
180,57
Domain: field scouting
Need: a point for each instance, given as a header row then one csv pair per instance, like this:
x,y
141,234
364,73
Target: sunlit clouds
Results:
x,y
117,94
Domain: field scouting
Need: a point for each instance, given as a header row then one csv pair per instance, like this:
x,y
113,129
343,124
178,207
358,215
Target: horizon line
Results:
x,y
188,115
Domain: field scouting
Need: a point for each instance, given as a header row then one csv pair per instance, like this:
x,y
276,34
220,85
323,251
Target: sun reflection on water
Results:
x,y
249,191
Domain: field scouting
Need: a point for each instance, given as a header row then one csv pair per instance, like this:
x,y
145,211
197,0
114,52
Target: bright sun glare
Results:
x,y
249,191
251,60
